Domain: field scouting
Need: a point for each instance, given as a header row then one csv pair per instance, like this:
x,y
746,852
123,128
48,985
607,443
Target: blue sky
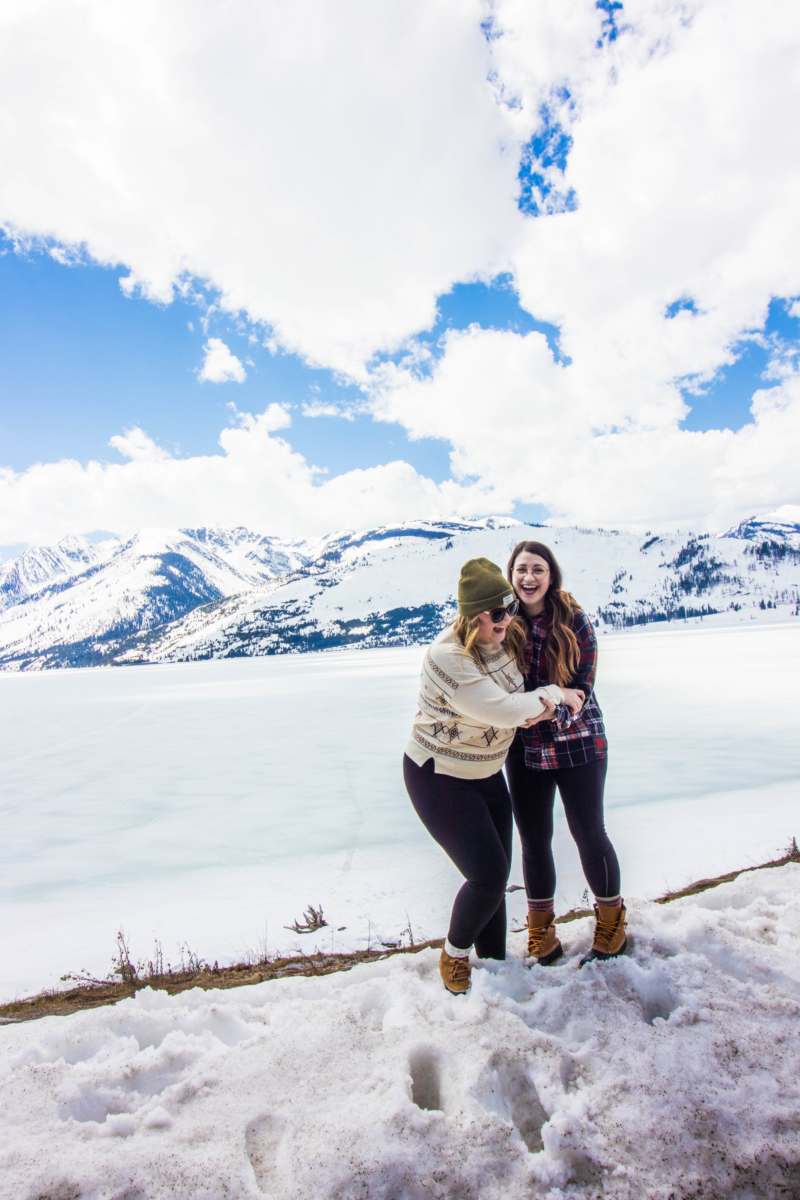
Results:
x,y
725,402
82,361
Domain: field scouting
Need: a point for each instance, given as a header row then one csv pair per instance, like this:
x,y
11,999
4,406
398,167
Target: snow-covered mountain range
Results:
x,y
175,595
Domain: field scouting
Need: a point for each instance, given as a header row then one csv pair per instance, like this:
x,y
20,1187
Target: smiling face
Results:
x,y
531,578
492,631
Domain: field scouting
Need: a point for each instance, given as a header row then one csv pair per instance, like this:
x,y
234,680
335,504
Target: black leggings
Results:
x,y
471,820
532,796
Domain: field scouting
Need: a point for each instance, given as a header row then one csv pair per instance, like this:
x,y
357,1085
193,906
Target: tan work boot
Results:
x,y
455,973
543,945
610,939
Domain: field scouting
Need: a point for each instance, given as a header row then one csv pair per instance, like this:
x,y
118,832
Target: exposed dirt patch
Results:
x,y
63,1002
703,885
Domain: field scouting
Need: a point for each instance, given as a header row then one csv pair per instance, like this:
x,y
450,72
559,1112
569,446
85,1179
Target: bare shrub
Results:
x,y
312,921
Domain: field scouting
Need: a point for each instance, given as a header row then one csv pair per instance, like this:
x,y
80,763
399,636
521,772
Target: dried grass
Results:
x,y
94,993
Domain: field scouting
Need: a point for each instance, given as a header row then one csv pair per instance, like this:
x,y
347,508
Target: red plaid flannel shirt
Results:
x,y
566,741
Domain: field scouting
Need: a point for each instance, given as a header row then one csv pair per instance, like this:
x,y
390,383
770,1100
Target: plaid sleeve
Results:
x,y
584,676
587,664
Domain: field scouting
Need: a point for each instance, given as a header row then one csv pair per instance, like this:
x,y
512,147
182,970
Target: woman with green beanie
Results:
x,y
472,699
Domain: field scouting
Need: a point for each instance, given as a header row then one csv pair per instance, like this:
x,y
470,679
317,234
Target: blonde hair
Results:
x,y
466,630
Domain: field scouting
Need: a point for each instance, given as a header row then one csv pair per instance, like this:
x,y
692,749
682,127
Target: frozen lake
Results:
x,y
210,803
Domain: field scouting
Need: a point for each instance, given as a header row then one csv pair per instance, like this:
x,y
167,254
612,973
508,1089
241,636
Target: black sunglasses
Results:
x,y
510,610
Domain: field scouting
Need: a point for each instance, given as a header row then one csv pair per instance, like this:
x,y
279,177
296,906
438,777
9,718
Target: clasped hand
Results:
x,y
572,698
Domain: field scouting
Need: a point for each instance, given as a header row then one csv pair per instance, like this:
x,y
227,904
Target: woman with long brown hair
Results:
x,y
471,700
568,753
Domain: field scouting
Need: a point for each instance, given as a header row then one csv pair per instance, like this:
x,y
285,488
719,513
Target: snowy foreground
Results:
x,y
210,803
671,1073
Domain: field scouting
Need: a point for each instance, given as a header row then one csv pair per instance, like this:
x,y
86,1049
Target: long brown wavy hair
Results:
x,y
466,630
561,648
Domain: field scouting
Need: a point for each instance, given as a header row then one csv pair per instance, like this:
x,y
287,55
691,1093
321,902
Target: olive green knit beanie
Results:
x,y
481,587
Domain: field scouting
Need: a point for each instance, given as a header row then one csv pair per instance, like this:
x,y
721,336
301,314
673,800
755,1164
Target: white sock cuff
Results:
x,y
454,951
608,899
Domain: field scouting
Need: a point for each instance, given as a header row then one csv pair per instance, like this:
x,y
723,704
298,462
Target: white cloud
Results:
x,y
540,449
686,186
274,417
331,169
318,408
220,365
136,445
257,480
530,429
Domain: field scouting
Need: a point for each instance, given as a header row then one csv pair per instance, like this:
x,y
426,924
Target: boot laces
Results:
x,y
605,931
536,940
460,969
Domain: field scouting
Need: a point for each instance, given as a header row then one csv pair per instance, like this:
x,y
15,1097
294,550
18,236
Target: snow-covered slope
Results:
x,y
69,614
769,528
671,1072
182,595
402,589
157,576
48,566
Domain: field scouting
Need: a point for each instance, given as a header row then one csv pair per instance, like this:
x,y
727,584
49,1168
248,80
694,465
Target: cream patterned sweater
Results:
x,y
468,714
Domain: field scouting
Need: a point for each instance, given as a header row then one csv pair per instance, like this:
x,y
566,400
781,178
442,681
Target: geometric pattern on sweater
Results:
x,y
447,723
445,733
435,667
462,755
567,740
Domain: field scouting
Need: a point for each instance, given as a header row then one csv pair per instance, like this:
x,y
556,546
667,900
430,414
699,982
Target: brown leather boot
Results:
x,y
455,973
610,939
543,945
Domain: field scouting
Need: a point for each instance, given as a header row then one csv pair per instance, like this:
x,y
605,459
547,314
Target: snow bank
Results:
x,y
672,1072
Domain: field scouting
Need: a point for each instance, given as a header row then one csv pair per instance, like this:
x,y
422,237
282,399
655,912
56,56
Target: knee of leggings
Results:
x,y
494,888
595,850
